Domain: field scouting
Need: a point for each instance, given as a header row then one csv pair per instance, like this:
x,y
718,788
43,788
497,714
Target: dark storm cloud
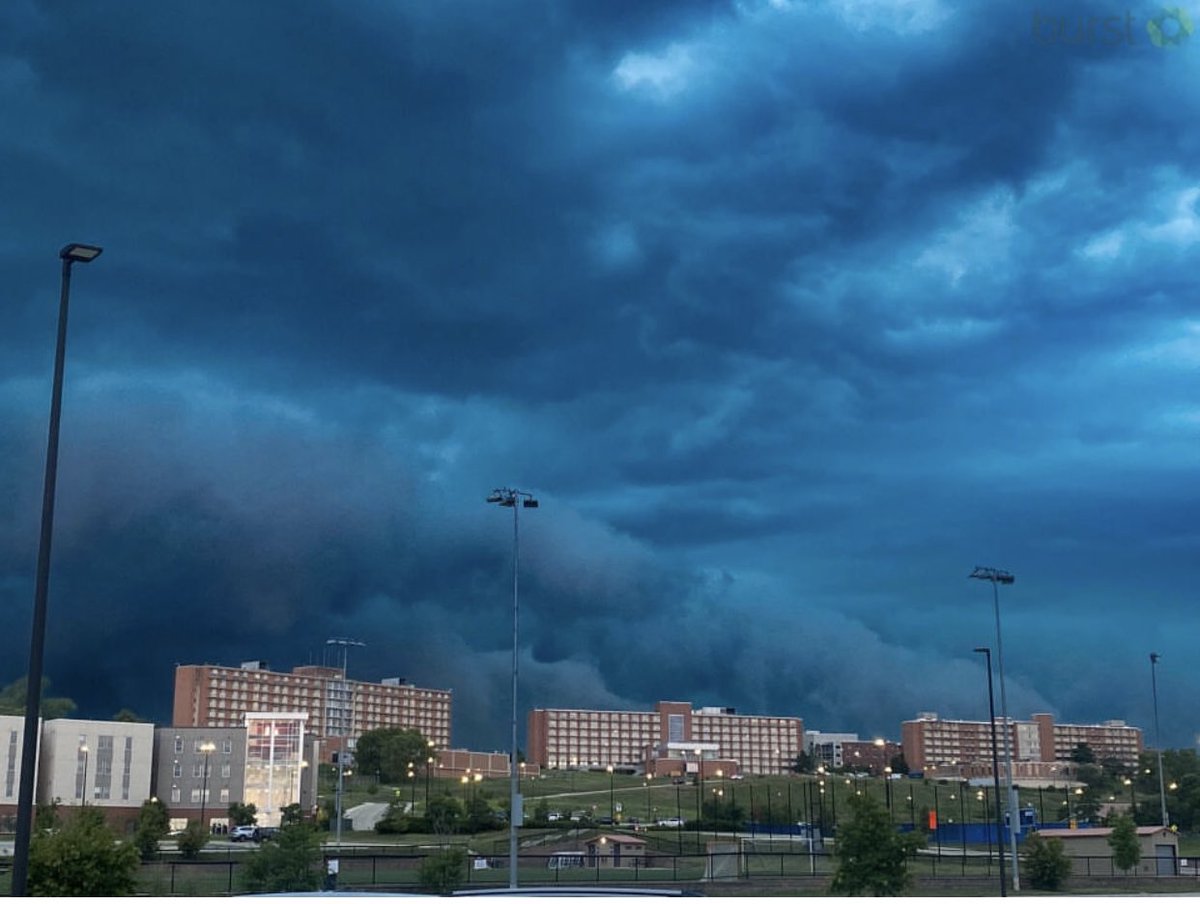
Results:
x,y
790,312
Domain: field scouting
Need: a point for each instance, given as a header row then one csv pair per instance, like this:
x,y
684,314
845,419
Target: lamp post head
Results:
x,y
507,497
1154,657
995,575
80,254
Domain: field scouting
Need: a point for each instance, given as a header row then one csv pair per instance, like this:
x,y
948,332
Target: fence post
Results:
x,y
172,878
231,877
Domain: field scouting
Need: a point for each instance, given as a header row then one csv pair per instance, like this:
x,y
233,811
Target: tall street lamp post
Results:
x,y
345,724
986,651
997,577
206,748
69,255
509,498
1162,791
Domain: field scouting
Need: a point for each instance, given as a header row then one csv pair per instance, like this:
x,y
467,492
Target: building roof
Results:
x,y
618,837
1097,832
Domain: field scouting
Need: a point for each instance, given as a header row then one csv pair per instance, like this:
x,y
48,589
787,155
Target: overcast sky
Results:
x,y
790,313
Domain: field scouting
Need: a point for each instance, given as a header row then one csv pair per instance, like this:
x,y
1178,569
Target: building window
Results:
x,y
227,746
10,771
175,795
127,772
224,795
178,744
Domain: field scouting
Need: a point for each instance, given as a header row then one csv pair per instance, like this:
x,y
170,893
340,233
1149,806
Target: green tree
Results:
x,y
241,814
154,821
722,814
444,814
12,701
1083,753
396,821
192,840
82,858
127,715
1043,862
443,872
870,856
804,763
388,752
291,815
1126,852
899,765
45,816
480,815
288,862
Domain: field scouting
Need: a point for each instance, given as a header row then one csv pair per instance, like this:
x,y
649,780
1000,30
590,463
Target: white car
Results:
x,y
670,822
243,833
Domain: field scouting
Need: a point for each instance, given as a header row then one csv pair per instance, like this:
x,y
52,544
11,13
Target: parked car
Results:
x,y
243,833
670,822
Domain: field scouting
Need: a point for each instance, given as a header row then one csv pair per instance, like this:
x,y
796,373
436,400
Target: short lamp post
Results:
x,y
428,769
206,748
612,805
71,254
83,748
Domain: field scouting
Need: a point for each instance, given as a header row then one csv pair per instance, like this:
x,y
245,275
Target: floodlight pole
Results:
x,y
997,577
71,254
1162,791
509,498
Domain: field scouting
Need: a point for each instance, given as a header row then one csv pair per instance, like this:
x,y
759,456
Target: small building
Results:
x,y
1160,848
615,850
592,850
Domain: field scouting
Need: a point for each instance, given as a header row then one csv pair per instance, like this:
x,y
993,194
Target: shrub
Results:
x,y
443,872
80,859
1044,863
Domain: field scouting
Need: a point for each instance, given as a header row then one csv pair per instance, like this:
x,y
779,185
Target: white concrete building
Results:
x,y
103,764
12,737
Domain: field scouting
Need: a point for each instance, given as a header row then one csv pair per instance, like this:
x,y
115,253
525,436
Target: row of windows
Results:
x,y
226,745
222,795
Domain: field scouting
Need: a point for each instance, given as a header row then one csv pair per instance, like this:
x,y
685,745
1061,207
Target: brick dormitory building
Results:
x,y
673,739
337,707
1040,747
